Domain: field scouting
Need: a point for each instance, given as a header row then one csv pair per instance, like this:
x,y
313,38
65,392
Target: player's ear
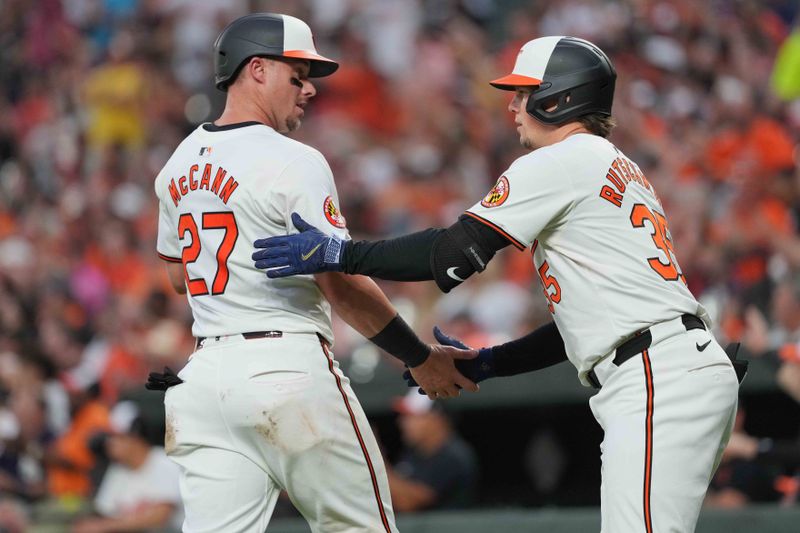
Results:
x,y
257,68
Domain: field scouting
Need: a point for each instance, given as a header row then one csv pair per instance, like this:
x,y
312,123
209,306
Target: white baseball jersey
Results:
x,y
599,239
225,187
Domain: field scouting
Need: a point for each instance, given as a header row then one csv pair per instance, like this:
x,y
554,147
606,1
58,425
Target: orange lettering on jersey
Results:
x,y
218,180
621,173
192,181
607,193
228,189
206,179
621,168
616,180
173,192
634,170
185,185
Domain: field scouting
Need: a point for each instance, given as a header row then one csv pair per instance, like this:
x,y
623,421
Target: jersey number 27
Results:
x,y
210,221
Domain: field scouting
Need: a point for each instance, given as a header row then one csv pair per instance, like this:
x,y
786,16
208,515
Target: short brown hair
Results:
x,y
598,124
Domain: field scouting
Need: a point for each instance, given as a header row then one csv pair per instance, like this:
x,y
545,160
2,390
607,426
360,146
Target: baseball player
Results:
x,y
262,405
601,247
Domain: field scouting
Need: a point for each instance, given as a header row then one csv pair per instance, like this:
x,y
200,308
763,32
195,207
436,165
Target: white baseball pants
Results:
x,y
256,416
667,414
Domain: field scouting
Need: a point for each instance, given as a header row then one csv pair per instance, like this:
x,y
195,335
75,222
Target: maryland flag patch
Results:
x,y
332,213
498,194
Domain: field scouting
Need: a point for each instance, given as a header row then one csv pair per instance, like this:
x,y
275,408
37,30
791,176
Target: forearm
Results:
x,y
176,277
407,494
405,258
362,304
448,256
539,349
358,301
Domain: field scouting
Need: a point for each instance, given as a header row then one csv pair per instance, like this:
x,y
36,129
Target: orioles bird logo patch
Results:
x,y
332,213
498,194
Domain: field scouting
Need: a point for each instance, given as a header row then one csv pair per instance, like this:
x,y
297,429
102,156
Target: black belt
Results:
x,y
641,342
248,335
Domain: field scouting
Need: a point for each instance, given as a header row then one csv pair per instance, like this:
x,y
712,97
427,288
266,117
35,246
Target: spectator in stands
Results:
x,y
69,460
139,490
437,469
95,94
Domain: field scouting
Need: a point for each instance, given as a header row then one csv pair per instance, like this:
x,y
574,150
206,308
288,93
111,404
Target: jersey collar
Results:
x,y
210,126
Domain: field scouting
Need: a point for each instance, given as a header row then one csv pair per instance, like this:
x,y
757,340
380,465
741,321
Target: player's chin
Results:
x,y
293,123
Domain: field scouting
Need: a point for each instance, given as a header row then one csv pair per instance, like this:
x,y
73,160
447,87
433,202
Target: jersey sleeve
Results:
x,y
306,187
533,193
167,244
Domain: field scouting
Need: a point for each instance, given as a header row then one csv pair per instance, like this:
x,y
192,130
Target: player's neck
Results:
x,y
568,130
239,110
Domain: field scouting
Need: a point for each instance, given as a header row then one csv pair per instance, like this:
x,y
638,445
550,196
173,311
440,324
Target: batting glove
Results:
x,y
307,252
479,369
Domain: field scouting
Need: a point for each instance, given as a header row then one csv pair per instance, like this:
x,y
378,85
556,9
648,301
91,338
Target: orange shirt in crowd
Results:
x,y
72,446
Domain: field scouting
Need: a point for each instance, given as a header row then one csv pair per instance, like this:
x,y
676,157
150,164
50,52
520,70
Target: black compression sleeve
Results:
x,y
539,349
405,258
408,258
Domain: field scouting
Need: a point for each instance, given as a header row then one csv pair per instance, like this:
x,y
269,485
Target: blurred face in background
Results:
x,y
416,426
124,449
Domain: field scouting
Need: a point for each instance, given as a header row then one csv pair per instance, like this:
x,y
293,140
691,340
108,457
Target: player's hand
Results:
x,y
478,369
438,375
307,252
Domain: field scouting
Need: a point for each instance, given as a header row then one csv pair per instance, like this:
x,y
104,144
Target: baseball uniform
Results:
x,y
264,405
604,255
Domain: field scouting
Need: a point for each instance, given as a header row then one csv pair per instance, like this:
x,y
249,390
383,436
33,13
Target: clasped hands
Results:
x,y
451,365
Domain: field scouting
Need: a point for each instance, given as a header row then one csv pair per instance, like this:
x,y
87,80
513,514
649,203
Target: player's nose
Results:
x,y
308,88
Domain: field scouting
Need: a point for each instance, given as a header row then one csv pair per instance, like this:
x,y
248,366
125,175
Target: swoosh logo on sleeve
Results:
x,y
701,347
305,257
452,273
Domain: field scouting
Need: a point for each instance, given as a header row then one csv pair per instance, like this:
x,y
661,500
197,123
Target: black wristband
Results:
x,y
398,339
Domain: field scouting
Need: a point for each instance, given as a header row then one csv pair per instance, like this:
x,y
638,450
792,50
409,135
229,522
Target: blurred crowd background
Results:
x,y
95,95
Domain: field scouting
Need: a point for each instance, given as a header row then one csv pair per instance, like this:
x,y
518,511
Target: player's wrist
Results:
x,y
485,363
399,340
333,258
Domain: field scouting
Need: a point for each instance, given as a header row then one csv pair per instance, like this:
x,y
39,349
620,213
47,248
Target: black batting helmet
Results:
x,y
572,73
266,34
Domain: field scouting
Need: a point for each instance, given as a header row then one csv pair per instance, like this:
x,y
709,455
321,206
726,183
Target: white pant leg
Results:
x,y
282,406
350,489
221,489
657,463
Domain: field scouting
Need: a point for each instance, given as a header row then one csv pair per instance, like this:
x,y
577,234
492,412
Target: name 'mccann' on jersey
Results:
x,y
211,212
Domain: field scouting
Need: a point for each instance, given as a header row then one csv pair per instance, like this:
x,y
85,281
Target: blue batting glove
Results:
x,y
479,369
307,252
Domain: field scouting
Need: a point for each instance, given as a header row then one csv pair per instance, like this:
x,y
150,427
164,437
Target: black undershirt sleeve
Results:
x,y
539,349
405,258
408,258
